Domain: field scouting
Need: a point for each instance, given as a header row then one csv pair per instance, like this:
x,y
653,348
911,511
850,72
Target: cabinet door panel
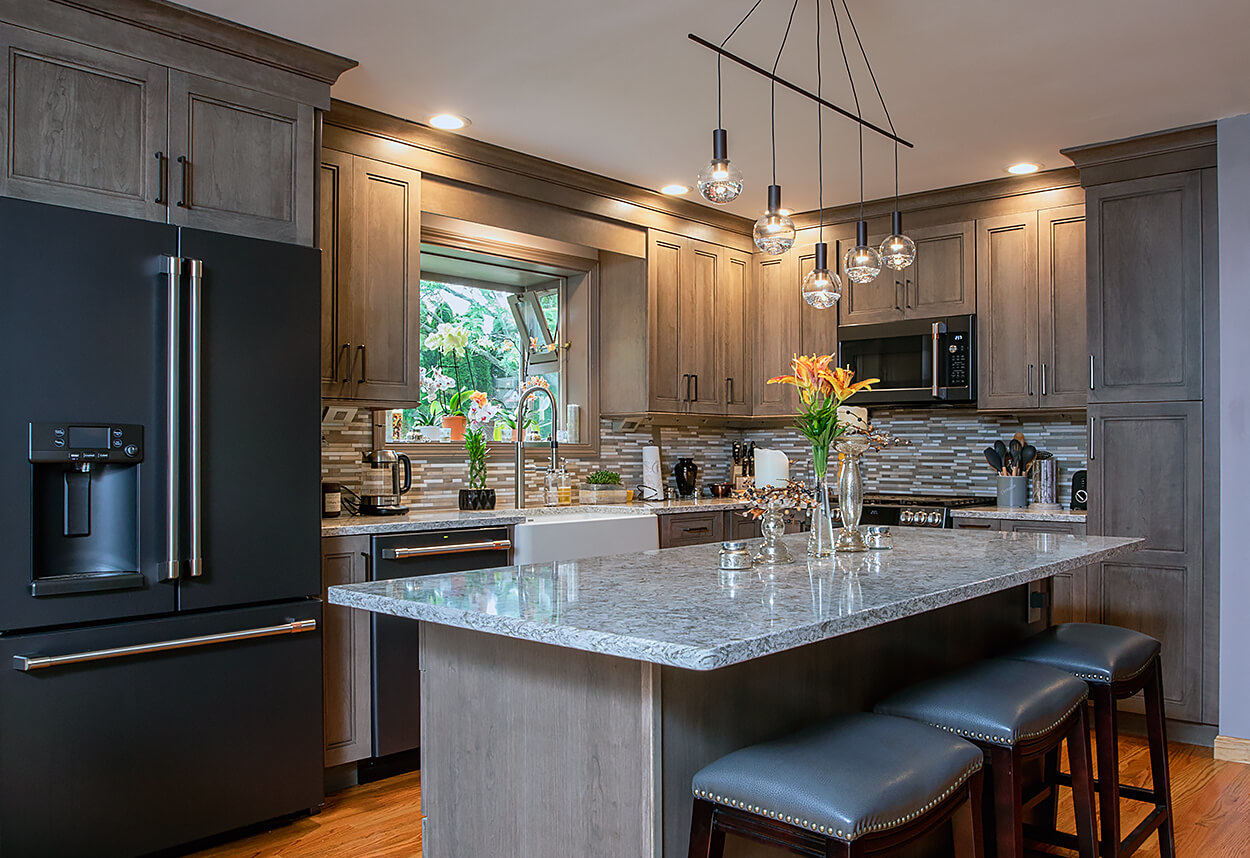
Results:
x,y
1064,353
1007,320
335,243
942,280
664,289
778,333
737,333
818,329
250,156
698,316
867,303
345,647
385,284
83,126
1145,289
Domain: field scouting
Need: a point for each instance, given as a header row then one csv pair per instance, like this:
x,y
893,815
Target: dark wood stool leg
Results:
x,y
1082,766
966,822
703,842
1106,733
1160,782
1047,812
1008,813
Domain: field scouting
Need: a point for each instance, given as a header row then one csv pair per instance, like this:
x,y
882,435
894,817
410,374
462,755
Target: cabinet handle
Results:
x,y
694,530
1091,372
729,391
186,181
363,356
1043,379
696,387
898,285
907,293
346,350
162,179
1091,437
1030,379
686,378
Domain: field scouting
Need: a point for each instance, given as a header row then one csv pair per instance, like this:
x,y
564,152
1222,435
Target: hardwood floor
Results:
x,y
383,819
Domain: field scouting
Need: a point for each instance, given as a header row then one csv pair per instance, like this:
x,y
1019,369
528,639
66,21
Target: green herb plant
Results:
x,y
604,478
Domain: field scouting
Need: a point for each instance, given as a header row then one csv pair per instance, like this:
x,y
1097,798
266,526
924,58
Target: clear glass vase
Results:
x,y
851,492
820,540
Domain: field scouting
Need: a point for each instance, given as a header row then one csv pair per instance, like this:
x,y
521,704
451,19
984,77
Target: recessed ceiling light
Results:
x,y
1023,168
448,121
674,190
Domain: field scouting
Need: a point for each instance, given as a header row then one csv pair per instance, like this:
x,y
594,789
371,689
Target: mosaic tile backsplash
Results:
x,y
945,456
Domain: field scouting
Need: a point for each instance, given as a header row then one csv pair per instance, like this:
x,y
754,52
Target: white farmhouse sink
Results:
x,y
546,538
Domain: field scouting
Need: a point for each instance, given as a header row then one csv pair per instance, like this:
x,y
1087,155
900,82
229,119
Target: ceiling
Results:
x,y
616,88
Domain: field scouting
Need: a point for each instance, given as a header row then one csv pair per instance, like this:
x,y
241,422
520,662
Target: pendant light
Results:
x,y
720,181
821,287
774,232
862,262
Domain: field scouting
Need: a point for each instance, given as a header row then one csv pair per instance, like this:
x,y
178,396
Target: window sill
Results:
x,y
495,450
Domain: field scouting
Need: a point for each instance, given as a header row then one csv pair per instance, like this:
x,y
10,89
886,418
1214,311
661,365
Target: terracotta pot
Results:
x,y
457,423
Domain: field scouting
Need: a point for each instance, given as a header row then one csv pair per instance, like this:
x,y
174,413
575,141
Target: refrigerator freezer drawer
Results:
x,y
168,731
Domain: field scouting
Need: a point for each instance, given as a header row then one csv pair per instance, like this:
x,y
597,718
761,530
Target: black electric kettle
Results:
x,y
381,487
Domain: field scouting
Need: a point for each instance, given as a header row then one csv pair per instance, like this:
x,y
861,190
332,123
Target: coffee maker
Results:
x,y
381,487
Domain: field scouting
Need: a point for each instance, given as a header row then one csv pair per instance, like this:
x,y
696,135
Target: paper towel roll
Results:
x,y
772,468
854,415
652,476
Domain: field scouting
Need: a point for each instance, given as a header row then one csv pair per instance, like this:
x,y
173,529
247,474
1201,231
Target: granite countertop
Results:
x,y
1015,513
676,607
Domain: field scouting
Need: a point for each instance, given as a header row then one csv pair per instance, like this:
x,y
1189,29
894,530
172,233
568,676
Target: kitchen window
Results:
x,y
490,327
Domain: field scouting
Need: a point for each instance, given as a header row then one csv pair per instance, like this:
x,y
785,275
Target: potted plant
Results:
x,y
476,496
602,487
451,339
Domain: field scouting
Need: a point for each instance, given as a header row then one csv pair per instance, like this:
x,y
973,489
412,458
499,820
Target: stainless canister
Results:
x,y
1045,484
878,537
735,555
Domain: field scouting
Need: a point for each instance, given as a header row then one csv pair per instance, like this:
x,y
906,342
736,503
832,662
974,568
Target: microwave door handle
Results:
x,y
939,328
170,567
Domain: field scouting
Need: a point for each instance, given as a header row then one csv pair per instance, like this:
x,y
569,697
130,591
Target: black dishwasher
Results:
x,y
395,662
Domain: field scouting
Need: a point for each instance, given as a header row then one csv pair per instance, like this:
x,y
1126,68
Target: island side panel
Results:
x,y
529,749
706,715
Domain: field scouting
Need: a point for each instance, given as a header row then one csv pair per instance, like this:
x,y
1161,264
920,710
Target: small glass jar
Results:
x,y
551,488
878,536
735,555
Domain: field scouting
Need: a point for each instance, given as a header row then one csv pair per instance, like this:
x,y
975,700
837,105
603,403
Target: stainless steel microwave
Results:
x,y
917,360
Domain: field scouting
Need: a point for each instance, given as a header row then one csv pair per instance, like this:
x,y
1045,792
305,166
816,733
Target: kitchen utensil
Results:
x,y
1027,455
1009,465
1013,491
994,459
1001,448
1016,449
1019,436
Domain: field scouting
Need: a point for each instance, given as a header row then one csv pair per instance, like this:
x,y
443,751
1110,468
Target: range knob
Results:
x,y
935,519
906,516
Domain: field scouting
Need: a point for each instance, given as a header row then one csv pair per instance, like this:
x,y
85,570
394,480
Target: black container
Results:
x,y
477,499
685,472
1080,495
331,500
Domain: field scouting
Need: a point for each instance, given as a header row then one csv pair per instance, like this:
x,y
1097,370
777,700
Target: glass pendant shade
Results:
x,y
821,287
862,262
774,232
897,250
720,181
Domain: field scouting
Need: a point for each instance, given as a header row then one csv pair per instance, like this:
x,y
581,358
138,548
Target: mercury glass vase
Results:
x,y
772,526
850,492
820,540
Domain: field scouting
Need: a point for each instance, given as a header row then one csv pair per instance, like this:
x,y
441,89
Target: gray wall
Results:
x,y
1234,194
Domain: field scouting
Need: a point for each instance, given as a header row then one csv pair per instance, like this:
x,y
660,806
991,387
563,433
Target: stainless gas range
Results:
x,y
913,510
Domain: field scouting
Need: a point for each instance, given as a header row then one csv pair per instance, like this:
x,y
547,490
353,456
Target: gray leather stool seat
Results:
x,y
998,701
851,776
1091,651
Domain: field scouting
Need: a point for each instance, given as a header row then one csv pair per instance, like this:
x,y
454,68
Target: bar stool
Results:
x,y
1014,715
856,784
1115,663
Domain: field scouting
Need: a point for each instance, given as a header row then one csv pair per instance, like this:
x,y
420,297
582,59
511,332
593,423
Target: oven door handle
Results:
x,y
437,550
939,328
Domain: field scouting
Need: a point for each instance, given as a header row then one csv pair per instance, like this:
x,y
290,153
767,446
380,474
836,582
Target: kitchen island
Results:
x,y
566,706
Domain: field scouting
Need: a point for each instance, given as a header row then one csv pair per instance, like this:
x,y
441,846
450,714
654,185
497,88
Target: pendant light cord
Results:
x,y
773,89
820,134
854,92
880,97
720,124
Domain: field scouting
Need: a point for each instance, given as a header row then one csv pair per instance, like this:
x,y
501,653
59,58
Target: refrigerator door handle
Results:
x,y
195,279
171,567
39,662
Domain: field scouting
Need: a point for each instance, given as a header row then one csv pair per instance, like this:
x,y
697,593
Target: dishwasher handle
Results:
x,y
437,550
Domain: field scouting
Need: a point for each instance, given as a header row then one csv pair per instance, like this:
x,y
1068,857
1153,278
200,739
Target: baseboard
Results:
x,y
1184,732
1232,749
340,777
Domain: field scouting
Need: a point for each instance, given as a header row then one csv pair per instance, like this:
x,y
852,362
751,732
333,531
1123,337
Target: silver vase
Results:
x,y
850,492
820,540
773,526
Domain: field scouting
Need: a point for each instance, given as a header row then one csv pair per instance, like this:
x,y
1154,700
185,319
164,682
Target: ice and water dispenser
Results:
x,y
85,486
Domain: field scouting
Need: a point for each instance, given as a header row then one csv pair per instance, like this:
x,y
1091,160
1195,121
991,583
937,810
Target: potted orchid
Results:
x,y
451,339
481,412
430,410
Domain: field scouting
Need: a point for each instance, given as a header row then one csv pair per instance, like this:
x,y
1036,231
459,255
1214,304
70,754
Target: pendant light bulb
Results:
x,y
774,232
862,262
720,181
821,287
897,250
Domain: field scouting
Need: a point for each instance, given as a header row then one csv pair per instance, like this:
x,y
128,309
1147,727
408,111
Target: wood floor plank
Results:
x,y
383,820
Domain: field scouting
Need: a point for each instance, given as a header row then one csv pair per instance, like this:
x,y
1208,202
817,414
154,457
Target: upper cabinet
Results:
x,y
1145,264
109,131
941,282
370,225
1031,310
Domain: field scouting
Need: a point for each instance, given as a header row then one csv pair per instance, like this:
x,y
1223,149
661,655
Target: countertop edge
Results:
x,y
1067,516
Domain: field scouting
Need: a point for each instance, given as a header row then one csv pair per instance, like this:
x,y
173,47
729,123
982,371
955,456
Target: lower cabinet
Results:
x,y
700,528
345,654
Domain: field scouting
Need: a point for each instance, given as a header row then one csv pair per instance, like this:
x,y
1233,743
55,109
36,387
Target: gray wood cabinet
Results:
x,y
370,234
1063,380
1145,474
776,332
737,356
345,654
1145,240
99,130
941,282
691,528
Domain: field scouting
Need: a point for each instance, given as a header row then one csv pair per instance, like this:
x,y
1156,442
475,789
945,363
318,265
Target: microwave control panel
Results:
x,y
120,443
957,362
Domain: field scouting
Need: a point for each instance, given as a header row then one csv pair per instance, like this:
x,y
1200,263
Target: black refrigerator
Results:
x,y
160,642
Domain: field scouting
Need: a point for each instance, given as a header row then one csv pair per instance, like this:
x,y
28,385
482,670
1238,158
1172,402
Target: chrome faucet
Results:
x,y
520,440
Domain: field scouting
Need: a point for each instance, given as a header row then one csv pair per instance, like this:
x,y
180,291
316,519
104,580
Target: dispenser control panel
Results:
x,y
118,443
